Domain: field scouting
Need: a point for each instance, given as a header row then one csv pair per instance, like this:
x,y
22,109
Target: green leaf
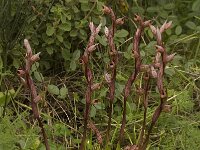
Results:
x,y
50,30
16,63
121,33
93,111
73,33
65,26
38,76
169,6
178,30
152,9
66,54
196,5
85,7
60,38
72,65
35,66
83,1
63,92
53,89
101,40
49,50
76,54
191,25
100,105
2,99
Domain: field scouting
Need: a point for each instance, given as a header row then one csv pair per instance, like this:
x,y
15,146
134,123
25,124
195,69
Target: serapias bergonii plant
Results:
x,y
155,71
112,67
25,77
84,60
137,67
159,63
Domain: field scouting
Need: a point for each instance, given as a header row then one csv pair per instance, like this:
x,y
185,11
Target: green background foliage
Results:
x,y
59,30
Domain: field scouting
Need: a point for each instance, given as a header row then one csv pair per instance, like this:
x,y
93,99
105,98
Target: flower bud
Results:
x,y
23,81
92,48
158,34
120,21
160,48
167,108
153,72
98,28
92,27
28,48
107,77
20,72
168,25
35,57
37,99
106,10
147,23
162,28
170,57
144,68
96,86
153,29
106,31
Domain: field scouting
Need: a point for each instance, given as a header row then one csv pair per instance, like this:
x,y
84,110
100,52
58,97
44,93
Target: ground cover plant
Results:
x,y
105,78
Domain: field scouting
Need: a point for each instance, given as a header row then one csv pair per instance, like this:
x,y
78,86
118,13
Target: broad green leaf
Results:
x,y
121,33
102,40
65,26
49,50
2,99
196,5
16,63
75,9
63,92
66,54
72,65
169,6
50,30
76,54
152,9
39,77
35,66
53,89
85,7
93,111
178,30
11,92
83,1
60,38
99,105
191,25
73,33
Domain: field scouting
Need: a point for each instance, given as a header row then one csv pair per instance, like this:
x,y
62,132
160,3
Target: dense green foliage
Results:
x,y
59,30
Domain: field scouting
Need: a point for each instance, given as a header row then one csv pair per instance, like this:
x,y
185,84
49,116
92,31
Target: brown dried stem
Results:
x,y
145,105
89,77
26,79
136,53
96,131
